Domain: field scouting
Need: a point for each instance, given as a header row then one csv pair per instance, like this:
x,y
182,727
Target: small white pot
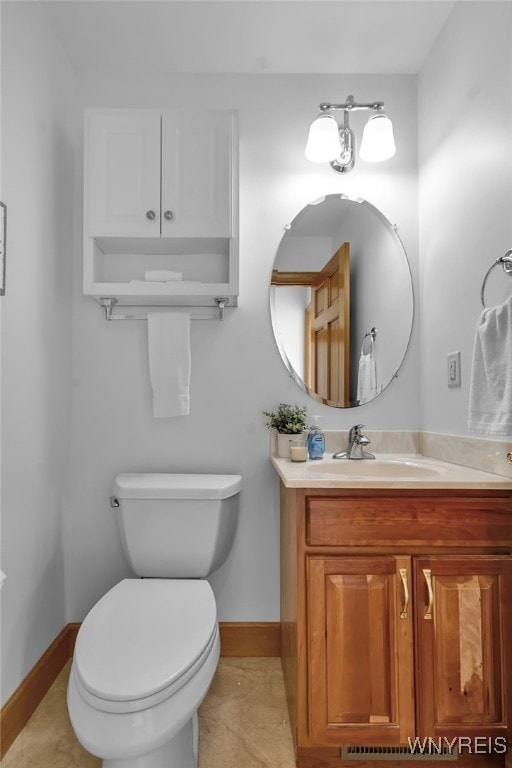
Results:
x,y
283,445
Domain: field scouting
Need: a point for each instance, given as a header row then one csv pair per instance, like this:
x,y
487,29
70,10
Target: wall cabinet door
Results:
x,y
196,174
150,174
463,631
122,174
360,650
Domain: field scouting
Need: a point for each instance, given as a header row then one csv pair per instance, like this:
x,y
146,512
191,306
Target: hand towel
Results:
x,y
366,378
490,391
162,275
169,362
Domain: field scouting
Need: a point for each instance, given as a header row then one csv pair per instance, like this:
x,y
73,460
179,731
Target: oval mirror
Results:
x,y
341,301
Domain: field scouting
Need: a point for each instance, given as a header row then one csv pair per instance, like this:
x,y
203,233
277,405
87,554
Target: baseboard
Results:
x,y
237,639
25,699
261,638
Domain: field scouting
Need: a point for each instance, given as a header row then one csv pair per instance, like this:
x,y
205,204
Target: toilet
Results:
x,y
146,653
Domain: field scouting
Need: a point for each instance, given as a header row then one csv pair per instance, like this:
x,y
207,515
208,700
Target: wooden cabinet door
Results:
x,y
360,650
122,174
196,174
463,636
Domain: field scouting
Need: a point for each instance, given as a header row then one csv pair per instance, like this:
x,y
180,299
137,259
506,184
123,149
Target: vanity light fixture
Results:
x,y
330,143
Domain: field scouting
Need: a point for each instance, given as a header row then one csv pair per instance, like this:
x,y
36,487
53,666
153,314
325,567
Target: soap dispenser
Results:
x,y
316,440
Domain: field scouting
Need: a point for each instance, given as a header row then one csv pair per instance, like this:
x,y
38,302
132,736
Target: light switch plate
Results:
x,y
453,369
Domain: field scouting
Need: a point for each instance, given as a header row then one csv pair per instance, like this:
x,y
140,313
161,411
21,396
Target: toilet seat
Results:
x,y
142,642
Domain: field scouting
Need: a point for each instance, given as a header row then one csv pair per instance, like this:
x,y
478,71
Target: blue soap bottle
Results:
x,y
316,441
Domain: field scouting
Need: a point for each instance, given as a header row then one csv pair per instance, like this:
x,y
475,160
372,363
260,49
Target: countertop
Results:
x,y
386,471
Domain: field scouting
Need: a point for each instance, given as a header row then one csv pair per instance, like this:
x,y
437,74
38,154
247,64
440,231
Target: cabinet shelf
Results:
x,y
191,294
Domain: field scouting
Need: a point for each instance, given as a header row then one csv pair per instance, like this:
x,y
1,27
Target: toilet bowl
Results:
x,y
146,653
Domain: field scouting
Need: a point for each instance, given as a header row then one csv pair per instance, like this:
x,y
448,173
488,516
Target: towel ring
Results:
x,y
371,335
506,263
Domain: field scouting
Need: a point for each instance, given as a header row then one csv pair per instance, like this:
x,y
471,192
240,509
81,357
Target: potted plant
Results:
x,y
287,420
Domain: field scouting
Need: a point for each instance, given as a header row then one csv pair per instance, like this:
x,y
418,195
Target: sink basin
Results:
x,y
393,468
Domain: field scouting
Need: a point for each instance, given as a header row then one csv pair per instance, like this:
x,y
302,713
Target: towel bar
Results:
x,y
506,263
108,305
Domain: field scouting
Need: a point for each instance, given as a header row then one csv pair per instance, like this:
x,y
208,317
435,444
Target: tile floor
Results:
x,y
243,723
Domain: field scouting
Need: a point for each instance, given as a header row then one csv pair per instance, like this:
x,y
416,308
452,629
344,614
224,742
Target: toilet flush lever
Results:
x,y
114,502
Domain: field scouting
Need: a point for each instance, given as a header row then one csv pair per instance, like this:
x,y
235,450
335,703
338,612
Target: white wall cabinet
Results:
x,y
161,192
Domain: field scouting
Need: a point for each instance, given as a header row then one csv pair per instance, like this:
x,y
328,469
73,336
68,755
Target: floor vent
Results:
x,y
397,753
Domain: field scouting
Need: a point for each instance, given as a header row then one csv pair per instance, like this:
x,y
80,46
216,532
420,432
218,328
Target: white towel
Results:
x,y
366,378
169,362
162,275
490,391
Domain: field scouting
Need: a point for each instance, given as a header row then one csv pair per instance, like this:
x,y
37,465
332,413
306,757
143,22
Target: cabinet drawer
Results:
x,y
408,520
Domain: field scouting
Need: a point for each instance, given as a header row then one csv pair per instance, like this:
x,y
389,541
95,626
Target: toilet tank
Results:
x,y
176,526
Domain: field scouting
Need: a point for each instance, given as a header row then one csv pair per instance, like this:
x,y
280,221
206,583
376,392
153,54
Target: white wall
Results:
x,y
1,198
236,368
465,152
37,165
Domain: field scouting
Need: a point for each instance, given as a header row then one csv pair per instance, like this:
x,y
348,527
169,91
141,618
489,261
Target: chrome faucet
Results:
x,y
356,443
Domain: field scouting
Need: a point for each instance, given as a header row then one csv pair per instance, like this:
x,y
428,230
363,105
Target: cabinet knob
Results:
x,y
150,215
168,215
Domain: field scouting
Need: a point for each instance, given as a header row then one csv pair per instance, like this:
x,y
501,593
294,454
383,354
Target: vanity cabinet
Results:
x,y
396,618
161,192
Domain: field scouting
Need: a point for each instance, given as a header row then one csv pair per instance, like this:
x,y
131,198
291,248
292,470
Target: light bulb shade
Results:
x,y
323,143
378,142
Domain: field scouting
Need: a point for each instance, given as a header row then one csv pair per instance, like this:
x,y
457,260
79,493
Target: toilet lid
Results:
x,y
143,635
172,486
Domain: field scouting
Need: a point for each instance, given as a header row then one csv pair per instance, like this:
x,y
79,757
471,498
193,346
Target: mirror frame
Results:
x,y
393,232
